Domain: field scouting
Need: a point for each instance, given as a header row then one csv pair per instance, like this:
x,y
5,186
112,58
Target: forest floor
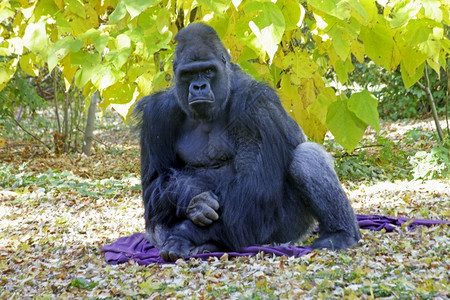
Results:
x,y
57,211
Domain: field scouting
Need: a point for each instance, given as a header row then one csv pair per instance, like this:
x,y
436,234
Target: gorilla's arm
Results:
x,y
265,139
166,200
157,153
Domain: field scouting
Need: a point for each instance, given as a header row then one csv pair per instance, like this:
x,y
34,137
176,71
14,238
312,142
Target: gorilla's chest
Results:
x,y
205,145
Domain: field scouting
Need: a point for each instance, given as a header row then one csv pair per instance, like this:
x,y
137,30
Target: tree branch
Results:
x,y
30,134
432,104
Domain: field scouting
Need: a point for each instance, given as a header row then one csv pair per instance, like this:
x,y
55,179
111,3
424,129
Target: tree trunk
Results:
x,y
89,132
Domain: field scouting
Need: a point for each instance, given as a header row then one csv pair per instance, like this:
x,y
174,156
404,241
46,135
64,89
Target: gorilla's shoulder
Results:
x,y
157,104
247,91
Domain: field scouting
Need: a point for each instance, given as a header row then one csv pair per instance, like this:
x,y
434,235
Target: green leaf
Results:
x,y
339,68
418,31
45,8
293,13
158,80
63,25
122,41
163,20
89,63
370,8
97,38
364,106
319,108
60,49
77,7
425,35
345,126
7,71
403,13
217,6
446,45
268,25
83,283
136,7
118,14
119,57
27,64
119,93
105,75
411,59
408,80
336,8
341,42
433,9
147,19
35,38
149,287
236,3
379,44
156,41
357,49
358,10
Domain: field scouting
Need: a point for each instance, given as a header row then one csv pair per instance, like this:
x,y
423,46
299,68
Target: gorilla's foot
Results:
x,y
206,248
175,248
335,241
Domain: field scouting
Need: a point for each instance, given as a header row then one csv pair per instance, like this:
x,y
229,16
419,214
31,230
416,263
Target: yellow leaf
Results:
x,y
68,71
27,64
16,45
144,83
301,64
91,16
319,108
289,93
35,38
312,127
78,24
307,92
357,49
59,3
7,71
396,57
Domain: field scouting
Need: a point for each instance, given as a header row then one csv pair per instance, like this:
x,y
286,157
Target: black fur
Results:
x,y
220,143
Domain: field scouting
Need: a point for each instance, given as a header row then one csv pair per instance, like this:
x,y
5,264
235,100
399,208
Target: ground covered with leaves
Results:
x,y
56,213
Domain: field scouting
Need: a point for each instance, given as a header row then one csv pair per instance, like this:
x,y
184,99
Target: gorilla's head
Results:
x,y
202,71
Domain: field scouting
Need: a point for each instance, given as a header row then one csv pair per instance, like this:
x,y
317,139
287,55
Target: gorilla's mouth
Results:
x,y
200,100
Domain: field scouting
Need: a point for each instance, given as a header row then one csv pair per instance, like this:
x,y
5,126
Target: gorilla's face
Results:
x,y
202,85
202,71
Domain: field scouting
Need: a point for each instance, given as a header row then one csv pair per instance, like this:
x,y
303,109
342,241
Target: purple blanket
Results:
x,y
136,247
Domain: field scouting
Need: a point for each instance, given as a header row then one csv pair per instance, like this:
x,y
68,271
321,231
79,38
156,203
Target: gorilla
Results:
x,y
223,166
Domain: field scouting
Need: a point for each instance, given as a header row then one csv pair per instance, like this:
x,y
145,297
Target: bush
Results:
x,y
396,102
432,165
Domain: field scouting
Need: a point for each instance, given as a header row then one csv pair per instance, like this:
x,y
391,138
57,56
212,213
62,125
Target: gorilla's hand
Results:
x,y
202,210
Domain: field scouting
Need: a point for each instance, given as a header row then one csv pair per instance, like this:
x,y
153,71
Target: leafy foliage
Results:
x,y
433,164
19,92
124,48
380,157
395,101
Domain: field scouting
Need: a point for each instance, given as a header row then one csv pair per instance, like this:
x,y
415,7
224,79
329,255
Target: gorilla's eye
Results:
x,y
209,71
186,76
